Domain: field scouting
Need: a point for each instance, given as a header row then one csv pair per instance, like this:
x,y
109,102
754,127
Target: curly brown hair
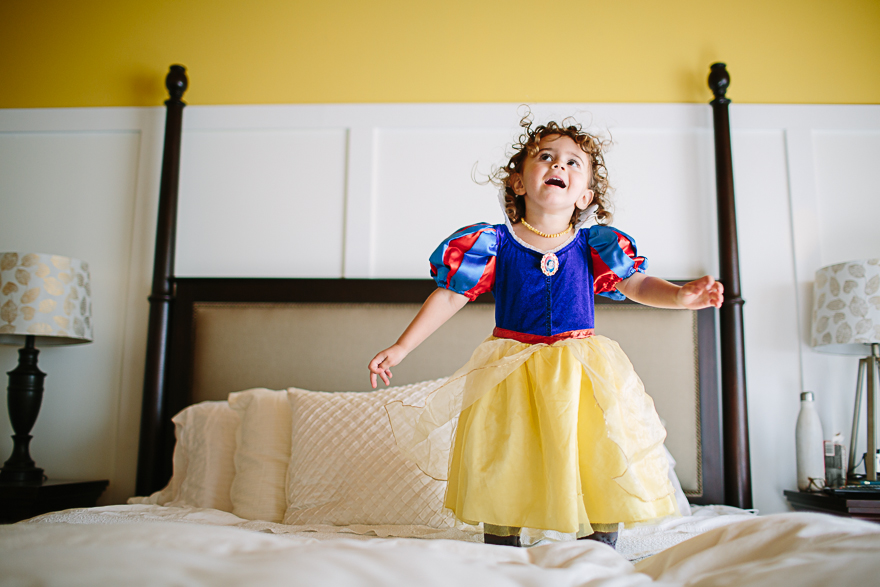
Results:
x,y
527,145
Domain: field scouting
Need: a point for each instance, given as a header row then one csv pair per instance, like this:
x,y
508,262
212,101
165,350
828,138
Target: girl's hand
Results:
x,y
382,363
702,293
440,306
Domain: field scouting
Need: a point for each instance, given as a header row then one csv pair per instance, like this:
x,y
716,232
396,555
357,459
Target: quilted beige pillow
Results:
x,y
262,454
203,456
345,467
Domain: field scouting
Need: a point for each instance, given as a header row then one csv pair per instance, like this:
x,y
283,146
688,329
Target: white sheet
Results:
x,y
162,553
153,545
634,543
797,549
147,513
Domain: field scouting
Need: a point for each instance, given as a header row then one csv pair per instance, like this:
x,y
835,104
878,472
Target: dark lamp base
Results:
x,y
30,476
23,398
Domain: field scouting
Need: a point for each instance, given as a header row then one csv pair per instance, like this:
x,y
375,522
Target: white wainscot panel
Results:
x,y
425,190
262,203
847,178
848,201
73,194
664,197
770,314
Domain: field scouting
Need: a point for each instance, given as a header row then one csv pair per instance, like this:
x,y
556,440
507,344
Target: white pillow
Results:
x,y
345,467
262,454
684,506
203,458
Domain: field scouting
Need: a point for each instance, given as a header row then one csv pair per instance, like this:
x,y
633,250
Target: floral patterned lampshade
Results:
x,y
846,308
48,296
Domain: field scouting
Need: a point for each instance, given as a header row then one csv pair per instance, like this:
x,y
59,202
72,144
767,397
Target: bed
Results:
x,y
260,464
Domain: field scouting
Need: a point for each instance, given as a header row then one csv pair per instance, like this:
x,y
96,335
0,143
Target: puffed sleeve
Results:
x,y
615,258
465,262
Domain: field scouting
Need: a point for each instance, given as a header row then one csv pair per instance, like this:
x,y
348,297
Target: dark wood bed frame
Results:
x,y
167,377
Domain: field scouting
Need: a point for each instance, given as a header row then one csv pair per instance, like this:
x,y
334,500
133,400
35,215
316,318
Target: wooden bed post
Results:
x,y
151,454
737,474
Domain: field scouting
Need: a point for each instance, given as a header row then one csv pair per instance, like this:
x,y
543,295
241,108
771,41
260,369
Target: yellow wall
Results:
x,y
60,53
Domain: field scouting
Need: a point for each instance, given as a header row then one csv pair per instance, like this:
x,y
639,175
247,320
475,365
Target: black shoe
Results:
x,y
609,538
501,540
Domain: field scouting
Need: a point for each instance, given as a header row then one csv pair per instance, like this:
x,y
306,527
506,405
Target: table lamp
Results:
x,y
44,300
846,321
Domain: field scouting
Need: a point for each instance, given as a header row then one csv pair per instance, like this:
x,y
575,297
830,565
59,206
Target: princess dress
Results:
x,y
552,427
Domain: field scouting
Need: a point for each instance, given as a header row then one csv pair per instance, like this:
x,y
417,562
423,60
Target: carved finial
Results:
x,y
176,82
719,80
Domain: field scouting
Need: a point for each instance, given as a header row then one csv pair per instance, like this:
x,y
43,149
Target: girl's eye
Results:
x,y
544,156
575,163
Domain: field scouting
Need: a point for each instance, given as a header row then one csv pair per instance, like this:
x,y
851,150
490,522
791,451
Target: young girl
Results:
x,y
554,430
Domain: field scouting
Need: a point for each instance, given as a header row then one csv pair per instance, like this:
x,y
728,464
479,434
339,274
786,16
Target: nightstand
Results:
x,y
848,506
20,502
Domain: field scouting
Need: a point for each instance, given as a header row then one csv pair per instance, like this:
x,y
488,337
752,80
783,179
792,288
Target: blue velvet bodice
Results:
x,y
481,257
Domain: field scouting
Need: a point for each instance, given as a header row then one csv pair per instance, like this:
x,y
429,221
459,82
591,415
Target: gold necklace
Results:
x,y
544,234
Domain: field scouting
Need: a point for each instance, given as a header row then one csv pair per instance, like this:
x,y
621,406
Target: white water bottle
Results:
x,y
809,446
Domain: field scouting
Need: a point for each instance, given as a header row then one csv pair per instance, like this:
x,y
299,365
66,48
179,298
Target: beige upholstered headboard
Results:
x,y
326,347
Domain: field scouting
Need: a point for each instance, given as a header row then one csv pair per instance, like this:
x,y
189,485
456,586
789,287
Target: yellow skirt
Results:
x,y
556,437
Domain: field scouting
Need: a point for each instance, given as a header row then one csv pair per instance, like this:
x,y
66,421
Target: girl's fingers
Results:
x,y
385,374
377,370
717,294
702,293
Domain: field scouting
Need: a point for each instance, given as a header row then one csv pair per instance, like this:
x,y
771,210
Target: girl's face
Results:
x,y
556,179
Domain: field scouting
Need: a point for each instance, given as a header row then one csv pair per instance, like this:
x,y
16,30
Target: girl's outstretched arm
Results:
x,y
440,306
659,293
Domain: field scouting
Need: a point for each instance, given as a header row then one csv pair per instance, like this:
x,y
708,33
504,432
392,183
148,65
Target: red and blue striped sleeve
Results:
x,y
615,258
465,262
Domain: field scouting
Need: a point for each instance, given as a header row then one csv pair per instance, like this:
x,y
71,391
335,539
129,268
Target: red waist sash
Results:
x,y
537,338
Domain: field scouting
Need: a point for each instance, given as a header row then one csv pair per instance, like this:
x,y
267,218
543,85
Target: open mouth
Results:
x,y
555,181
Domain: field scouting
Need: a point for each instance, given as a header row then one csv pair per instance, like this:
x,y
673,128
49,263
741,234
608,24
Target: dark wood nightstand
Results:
x,y
849,506
20,502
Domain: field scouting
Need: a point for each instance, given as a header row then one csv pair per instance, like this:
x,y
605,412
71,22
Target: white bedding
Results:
x,y
153,545
634,543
